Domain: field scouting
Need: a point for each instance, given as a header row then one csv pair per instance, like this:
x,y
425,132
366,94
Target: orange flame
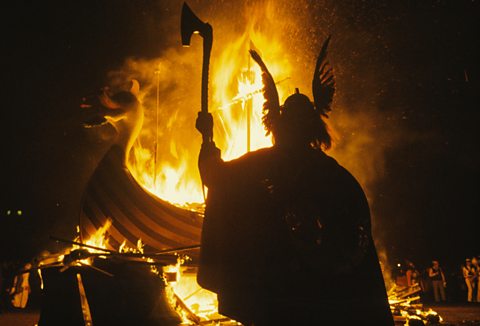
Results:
x,y
236,105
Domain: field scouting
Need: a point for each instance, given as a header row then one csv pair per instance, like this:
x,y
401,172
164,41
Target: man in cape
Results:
x,y
286,238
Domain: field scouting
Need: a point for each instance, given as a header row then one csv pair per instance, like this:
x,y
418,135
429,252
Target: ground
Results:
x,y
19,318
460,314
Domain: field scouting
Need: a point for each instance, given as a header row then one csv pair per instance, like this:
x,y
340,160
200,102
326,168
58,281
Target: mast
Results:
x,y
155,150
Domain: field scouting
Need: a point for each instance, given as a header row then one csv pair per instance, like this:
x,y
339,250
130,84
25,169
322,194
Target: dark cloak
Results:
x,y
287,239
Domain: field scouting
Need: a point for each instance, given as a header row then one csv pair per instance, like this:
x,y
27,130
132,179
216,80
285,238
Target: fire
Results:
x,y
181,283
171,181
236,105
241,118
197,302
164,159
98,239
405,304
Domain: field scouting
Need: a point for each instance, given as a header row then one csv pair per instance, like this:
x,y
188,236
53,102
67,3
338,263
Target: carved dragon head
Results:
x,y
120,109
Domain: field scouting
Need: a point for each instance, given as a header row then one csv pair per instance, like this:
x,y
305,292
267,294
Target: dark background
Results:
x,y
54,53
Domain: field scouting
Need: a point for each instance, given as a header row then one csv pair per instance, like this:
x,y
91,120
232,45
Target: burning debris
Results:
x,y
405,303
89,284
196,305
78,268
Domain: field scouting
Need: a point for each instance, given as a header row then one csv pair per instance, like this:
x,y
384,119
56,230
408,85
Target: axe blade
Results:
x,y
190,24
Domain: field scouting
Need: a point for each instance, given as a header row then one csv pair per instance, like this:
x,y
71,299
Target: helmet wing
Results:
x,y
271,107
323,84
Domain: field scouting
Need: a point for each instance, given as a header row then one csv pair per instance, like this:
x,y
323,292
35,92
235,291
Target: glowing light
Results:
x,y
236,105
202,303
99,239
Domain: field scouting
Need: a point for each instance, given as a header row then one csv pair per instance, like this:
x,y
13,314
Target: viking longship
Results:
x,y
113,193
118,291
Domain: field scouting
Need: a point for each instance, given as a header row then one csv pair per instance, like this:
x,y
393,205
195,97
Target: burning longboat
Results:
x,y
112,191
111,288
107,287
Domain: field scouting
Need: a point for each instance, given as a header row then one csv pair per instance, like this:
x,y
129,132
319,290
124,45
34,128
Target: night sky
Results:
x,y
55,53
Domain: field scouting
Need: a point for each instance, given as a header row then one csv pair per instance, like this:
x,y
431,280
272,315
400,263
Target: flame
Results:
x,y
200,302
171,181
405,304
181,280
99,239
236,105
164,159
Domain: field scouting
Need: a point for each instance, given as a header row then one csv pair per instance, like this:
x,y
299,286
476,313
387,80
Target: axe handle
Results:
x,y
207,47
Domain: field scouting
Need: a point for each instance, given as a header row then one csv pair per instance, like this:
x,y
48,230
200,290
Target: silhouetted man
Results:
x,y
435,272
286,238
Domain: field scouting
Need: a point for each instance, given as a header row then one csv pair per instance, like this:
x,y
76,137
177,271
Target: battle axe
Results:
x,y
191,24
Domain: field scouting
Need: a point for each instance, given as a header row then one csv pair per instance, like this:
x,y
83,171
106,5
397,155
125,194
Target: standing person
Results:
x,y
412,274
286,238
469,275
476,280
436,275
21,288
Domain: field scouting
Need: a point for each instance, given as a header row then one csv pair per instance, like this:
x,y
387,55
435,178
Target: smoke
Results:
x,y
289,35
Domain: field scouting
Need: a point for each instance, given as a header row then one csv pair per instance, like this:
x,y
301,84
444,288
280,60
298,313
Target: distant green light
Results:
x,y
19,212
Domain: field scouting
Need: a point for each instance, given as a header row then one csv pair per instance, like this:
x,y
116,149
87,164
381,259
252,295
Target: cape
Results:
x,y
289,235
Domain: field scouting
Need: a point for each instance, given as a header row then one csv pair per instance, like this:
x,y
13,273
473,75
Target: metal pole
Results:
x,y
248,108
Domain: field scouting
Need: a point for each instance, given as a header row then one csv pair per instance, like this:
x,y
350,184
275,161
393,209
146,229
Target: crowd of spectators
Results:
x,y
440,284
